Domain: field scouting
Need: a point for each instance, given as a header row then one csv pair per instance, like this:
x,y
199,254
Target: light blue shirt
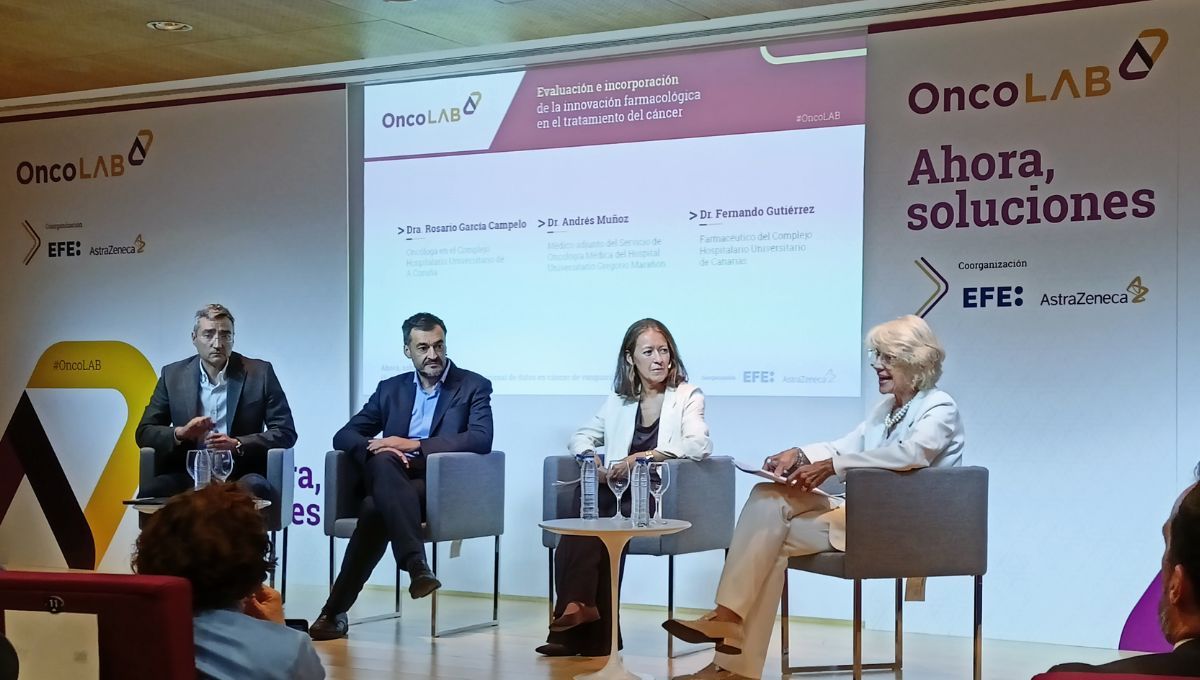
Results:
x,y
233,646
424,404
214,398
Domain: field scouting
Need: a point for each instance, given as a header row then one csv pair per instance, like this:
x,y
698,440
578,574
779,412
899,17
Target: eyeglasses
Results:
x,y
210,335
878,359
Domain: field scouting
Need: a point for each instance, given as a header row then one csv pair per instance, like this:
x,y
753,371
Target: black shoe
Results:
x,y
555,649
422,581
330,627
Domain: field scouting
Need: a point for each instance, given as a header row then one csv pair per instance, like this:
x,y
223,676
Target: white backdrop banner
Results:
x,y
1023,181
115,228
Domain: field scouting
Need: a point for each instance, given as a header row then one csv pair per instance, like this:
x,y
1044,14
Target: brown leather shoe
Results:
x,y
585,614
726,635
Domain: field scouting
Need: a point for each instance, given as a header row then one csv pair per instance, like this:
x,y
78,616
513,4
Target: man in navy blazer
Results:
x,y
217,399
437,407
1179,609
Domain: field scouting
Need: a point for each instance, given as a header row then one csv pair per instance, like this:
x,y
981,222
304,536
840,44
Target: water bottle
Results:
x,y
641,492
203,470
588,508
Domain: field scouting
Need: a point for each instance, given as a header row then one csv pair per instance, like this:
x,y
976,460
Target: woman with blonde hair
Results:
x,y
916,425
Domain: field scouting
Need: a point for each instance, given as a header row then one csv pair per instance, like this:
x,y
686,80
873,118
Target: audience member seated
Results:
x,y
9,666
1179,608
217,540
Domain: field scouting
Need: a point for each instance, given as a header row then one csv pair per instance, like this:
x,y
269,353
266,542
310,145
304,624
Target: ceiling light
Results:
x,y
169,26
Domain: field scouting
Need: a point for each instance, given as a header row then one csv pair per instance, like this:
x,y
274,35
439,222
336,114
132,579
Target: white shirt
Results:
x,y
214,398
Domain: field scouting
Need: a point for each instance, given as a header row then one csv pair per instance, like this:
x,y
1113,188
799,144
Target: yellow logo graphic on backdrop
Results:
x,y
83,534
1137,290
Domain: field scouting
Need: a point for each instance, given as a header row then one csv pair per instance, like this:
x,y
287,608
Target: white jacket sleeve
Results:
x,y
928,437
695,442
931,434
590,437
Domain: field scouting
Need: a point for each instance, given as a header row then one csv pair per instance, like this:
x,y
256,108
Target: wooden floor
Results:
x,y
403,649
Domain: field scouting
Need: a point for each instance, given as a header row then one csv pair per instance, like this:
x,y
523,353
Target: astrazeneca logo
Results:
x,y
449,114
88,167
1039,88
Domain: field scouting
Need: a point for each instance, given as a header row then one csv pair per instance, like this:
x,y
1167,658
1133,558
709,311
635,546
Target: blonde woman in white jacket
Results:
x,y
652,413
914,426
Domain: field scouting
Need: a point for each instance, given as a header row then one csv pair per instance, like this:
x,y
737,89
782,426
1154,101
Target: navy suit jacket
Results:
x,y
1183,662
462,420
259,415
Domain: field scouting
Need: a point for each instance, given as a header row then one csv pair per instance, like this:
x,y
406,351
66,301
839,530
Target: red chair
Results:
x,y
144,622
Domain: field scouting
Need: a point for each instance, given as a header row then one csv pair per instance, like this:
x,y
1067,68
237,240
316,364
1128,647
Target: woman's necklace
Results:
x,y
896,416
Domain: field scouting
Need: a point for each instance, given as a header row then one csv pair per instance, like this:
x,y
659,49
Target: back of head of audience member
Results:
x,y
213,537
1179,609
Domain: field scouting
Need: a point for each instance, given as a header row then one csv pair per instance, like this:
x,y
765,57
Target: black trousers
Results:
x,y
391,510
582,574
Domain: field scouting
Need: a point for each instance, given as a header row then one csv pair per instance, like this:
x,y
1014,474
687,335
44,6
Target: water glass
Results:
x,y
660,481
199,466
618,482
222,464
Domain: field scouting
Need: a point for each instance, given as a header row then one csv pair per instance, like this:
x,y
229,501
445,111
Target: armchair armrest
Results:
x,y
700,492
146,467
464,495
340,479
556,500
281,473
941,514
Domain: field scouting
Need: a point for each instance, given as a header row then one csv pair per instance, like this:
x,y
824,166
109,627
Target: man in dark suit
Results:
x,y
217,400
1179,608
437,407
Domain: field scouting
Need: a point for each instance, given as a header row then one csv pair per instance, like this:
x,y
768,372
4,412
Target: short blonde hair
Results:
x,y
912,342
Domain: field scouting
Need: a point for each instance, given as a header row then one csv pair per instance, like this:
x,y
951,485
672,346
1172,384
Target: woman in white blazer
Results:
x,y
915,426
652,413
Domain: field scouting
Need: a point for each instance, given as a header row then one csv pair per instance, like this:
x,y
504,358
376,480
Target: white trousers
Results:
x,y
776,523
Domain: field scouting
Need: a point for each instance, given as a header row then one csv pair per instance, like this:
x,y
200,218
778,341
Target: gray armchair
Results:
x,y
701,492
927,522
281,473
464,498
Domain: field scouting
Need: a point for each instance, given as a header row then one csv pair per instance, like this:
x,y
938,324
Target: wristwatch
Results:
x,y
238,449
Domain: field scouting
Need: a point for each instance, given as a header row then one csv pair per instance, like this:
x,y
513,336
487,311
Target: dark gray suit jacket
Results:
x,y
462,420
259,415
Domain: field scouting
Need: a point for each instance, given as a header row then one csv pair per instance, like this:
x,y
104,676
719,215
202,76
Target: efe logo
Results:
x,y
997,296
63,249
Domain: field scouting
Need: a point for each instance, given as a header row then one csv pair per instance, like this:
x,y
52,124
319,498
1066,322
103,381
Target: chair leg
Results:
x,y
283,576
785,669
858,629
550,590
978,627
399,602
496,582
331,565
271,579
491,623
670,603
857,667
433,602
899,624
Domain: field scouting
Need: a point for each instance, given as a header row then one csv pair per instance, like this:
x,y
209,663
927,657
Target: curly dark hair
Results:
x,y
214,538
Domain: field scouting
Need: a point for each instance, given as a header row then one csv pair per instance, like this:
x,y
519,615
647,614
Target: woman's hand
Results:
x,y
782,462
809,477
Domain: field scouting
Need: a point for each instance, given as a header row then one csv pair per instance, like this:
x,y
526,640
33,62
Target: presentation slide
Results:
x,y
539,213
